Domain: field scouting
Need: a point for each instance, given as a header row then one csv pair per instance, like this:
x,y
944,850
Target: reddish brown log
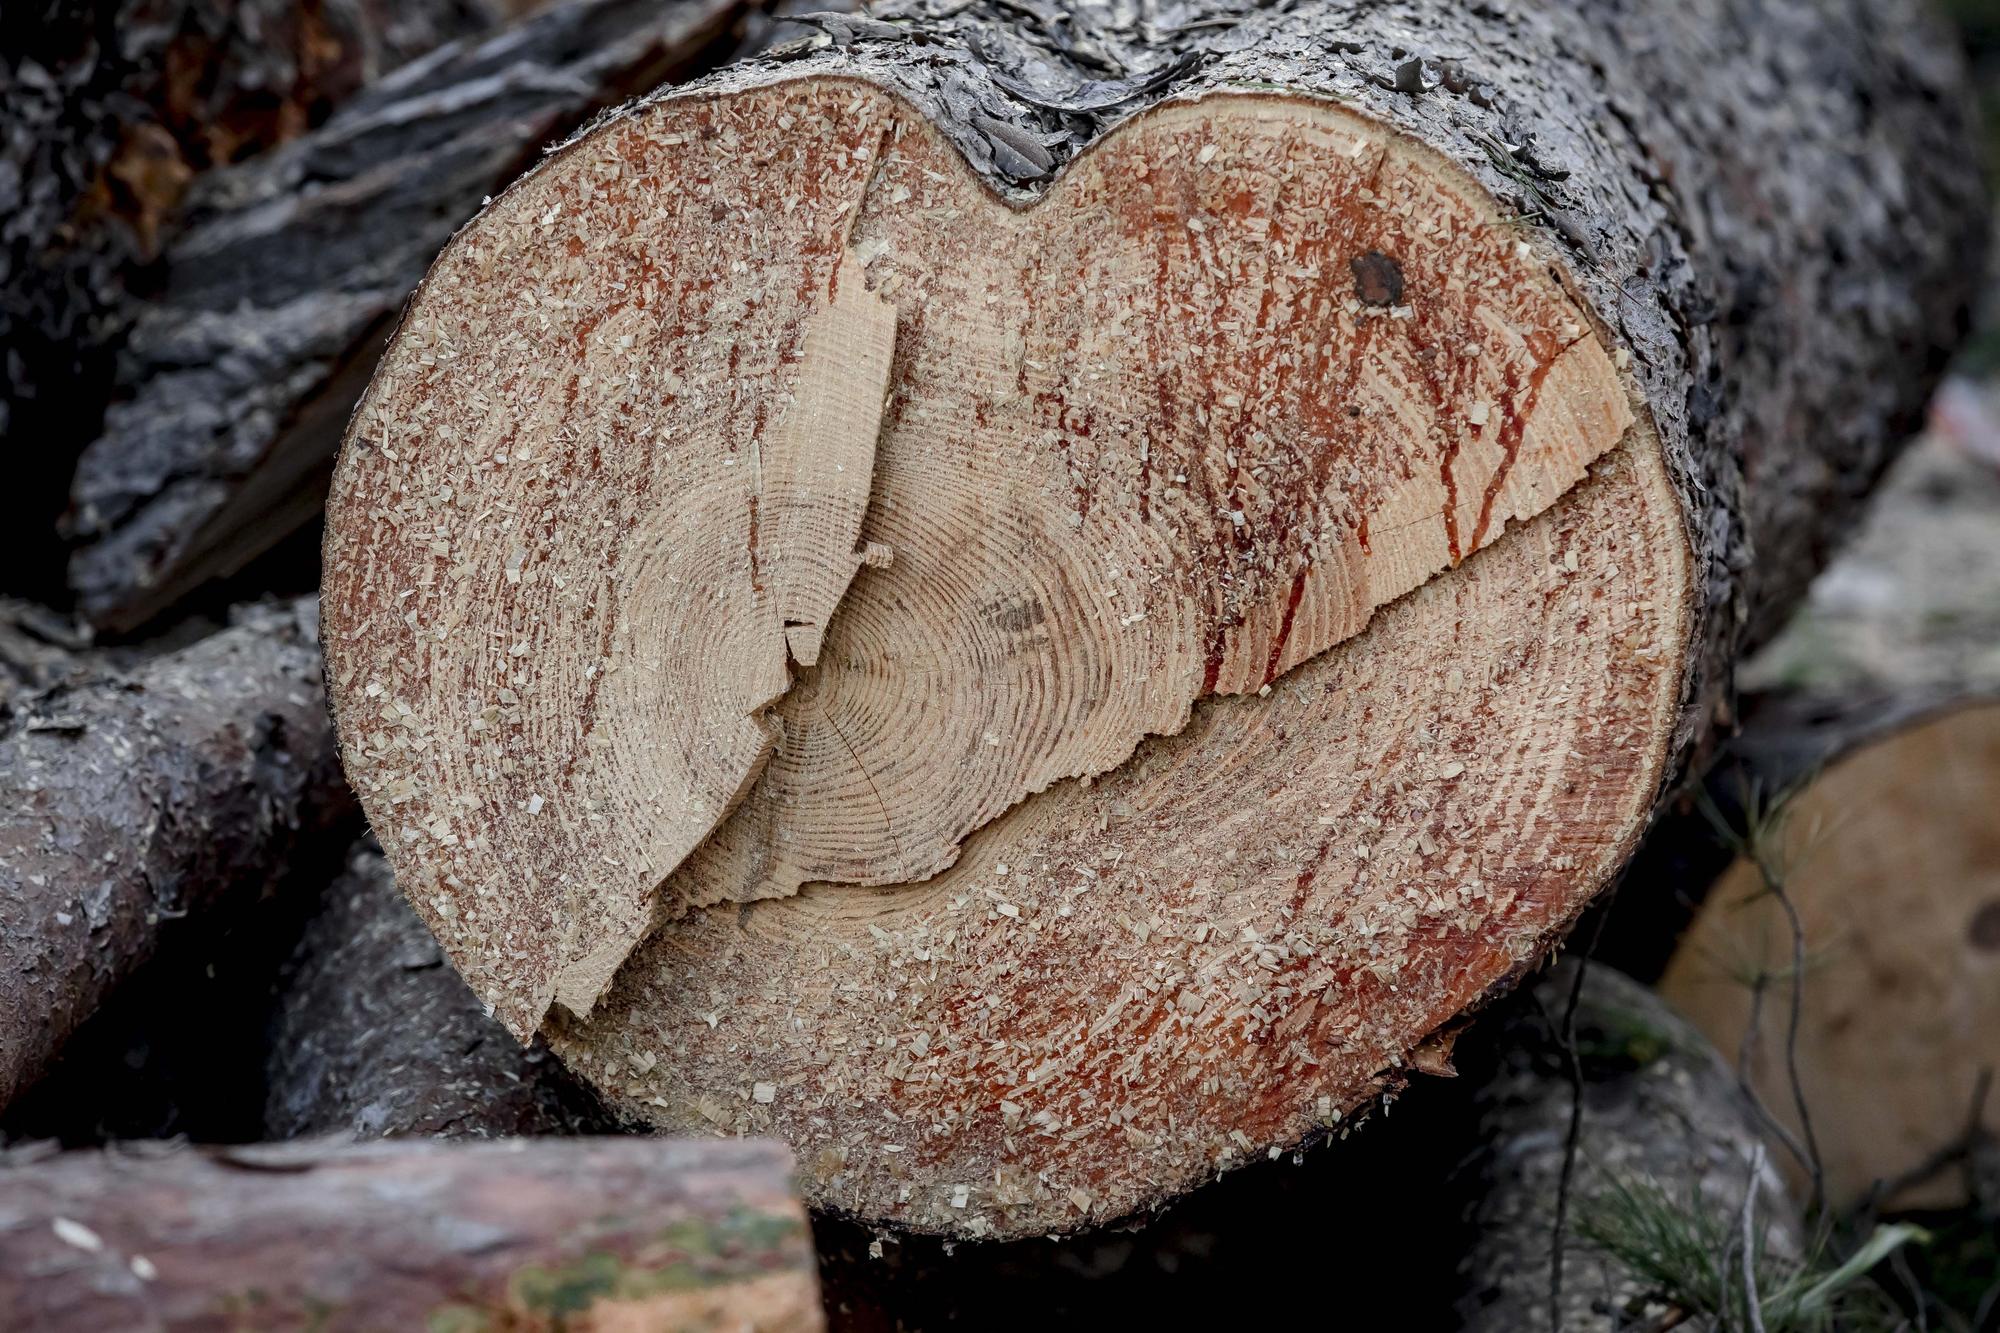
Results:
x,y
604,1234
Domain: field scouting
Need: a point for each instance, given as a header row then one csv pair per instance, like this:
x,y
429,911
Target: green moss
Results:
x,y
695,1256
460,1318
1611,1037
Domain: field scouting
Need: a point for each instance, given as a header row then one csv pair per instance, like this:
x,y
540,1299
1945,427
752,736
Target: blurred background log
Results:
x,y
133,798
1878,828
1660,1111
525,1234
238,377
375,1036
107,112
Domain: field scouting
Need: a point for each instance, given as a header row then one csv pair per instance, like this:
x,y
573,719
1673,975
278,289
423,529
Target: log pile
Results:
x,y
1005,608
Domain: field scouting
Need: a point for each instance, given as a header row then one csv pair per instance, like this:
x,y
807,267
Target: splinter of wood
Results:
x,y
821,459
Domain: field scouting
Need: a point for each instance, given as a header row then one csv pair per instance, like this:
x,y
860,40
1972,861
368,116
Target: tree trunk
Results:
x,y
1662,1118
1033,600
135,798
529,1234
238,378
376,1037
107,112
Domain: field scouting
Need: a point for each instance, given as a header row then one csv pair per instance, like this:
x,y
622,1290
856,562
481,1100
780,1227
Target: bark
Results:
x,y
1659,1107
135,798
522,1235
376,1037
238,378
37,649
110,110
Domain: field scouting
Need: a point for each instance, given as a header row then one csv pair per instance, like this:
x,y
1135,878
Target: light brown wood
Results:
x,y
1254,369
1892,857
1324,486
1131,459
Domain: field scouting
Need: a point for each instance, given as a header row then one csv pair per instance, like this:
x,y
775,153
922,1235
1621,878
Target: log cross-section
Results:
x,y
1310,501
1098,513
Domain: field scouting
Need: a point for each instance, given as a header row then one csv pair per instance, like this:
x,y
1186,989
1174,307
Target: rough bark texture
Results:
x,y
1787,325
237,380
135,798
375,1036
107,111
37,649
605,1234
1659,1106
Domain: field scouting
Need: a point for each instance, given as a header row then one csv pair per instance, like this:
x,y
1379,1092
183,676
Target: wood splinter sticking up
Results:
x,y
1318,508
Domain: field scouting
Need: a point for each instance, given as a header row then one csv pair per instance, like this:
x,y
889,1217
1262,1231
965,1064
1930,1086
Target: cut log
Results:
x,y
107,112
1308,494
530,1234
1662,1116
238,378
1891,857
135,798
376,1037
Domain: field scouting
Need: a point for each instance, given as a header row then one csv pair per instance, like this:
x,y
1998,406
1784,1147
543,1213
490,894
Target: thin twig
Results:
x,y
1816,1208
1762,826
1773,1126
1567,1040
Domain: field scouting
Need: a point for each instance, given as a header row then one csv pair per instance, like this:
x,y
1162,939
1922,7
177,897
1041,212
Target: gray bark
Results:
x,y
107,110
610,1233
37,649
238,379
1659,1106
132,798
376,1037
1775,204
